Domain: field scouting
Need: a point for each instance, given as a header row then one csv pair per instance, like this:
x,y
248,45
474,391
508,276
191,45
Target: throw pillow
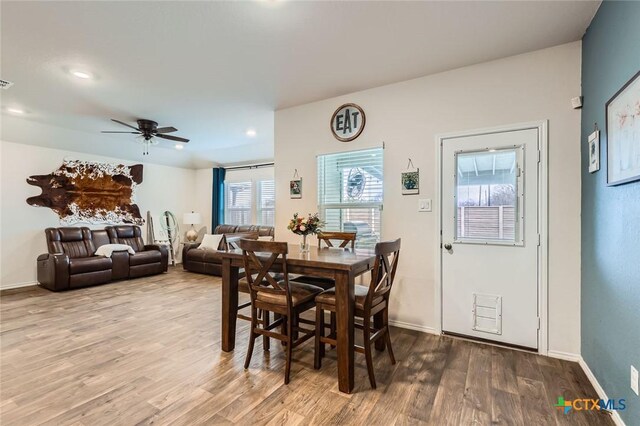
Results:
x,y
211,242
108,249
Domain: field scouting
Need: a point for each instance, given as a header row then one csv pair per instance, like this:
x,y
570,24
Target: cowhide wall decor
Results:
x,y
84,191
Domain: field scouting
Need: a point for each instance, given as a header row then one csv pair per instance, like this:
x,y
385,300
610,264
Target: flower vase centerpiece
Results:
x,y
304,226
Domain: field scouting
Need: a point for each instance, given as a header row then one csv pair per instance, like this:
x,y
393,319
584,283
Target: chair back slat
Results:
x,y
346,238
230,241
384,269
258,271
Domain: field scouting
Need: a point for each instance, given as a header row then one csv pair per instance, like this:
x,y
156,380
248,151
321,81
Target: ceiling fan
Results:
x,y
148,129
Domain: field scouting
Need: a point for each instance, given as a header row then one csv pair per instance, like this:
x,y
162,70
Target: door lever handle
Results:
x,y
448,246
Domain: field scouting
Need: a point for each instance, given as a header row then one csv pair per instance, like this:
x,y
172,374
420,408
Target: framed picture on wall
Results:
x,y
295,188
594,151
411,183
623,134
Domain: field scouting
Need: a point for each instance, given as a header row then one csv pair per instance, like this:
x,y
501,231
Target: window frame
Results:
x,y
227,209
255,210
323,207
258,199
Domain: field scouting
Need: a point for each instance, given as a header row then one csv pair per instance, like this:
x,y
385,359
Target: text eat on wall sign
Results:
x,y
347,122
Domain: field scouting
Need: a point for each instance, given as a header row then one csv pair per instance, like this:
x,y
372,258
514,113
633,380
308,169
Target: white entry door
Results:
x,y
490,236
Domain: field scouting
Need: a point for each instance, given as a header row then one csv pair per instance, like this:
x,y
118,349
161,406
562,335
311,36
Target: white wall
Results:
x,y
407,116
22,226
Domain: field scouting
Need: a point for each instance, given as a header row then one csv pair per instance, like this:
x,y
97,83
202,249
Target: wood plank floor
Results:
x,y
147,351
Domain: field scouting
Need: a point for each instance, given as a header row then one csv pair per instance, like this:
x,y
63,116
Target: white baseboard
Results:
x,y
567,356
409,326
18,285
615,416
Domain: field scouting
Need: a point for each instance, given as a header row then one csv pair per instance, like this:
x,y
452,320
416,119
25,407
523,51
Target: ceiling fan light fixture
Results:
x,y
251,133
179,146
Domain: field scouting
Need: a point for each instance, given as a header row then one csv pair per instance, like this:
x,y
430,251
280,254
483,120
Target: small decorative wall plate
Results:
x,y
347,122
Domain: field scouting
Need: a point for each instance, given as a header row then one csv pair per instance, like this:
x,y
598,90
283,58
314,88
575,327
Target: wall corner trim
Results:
x,y
615,416
567,356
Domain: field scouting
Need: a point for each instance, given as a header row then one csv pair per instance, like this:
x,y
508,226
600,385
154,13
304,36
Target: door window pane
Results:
x,y
487,195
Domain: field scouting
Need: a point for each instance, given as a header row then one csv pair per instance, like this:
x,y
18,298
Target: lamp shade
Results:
x,y
191,218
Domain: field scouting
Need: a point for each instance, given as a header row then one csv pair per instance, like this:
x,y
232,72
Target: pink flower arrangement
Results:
x,y
311,224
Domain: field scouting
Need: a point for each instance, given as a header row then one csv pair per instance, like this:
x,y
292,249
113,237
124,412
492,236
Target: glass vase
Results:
x,y
304,245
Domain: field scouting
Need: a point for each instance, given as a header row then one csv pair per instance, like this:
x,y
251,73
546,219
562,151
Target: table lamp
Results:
x,y
191,219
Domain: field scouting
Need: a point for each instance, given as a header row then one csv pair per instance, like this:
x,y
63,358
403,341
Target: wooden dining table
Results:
x,y
342,265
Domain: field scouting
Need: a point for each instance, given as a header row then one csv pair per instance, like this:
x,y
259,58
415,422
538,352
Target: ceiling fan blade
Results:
x,y
113,131
173,138
124,124
166,129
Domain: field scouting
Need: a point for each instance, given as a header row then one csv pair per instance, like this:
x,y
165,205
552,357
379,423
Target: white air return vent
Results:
x,y
487,313
4,84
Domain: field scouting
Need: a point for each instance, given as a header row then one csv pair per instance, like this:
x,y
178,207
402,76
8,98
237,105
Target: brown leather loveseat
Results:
x,y
207,261
148,260
71,263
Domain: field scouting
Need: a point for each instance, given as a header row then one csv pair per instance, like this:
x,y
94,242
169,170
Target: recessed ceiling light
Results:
x,y
81,74
251,133
178,146
15,110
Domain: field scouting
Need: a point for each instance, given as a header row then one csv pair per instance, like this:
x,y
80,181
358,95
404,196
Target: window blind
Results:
x,y
350,193
266,202
238,203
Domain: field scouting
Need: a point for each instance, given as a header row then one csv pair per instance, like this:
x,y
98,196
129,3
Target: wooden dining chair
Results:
x,y
345,238
369,301
231,242
281,297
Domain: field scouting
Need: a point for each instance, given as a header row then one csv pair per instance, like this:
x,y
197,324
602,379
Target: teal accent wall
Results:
x,y
610,297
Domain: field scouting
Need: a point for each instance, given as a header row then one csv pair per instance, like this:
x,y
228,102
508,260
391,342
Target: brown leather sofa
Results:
x,y
70,262
207,261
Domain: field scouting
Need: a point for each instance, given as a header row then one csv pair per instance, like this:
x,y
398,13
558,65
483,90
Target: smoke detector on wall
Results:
x,y
4,84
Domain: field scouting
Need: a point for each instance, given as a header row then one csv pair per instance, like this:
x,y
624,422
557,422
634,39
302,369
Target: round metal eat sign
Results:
x,y
347,122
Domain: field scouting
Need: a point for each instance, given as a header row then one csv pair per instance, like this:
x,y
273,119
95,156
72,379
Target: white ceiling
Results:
x,y
216,69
